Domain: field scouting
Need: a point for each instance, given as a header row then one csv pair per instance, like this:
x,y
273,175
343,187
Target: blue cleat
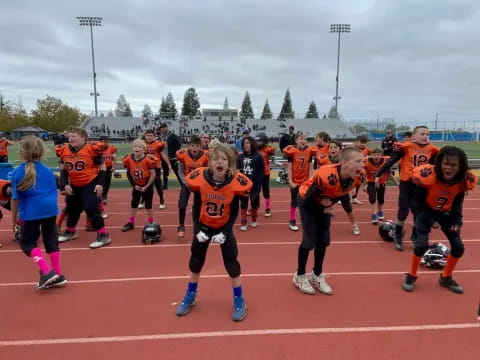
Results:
x,y
374,219
239,308
187,303
380,215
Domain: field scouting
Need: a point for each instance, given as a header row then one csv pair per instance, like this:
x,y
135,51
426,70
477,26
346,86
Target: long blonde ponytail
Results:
x,y
31,149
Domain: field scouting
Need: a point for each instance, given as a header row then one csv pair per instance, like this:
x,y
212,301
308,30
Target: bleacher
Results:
x,y
273,127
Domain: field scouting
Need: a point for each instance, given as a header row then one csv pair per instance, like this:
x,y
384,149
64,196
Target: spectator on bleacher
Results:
x,y
288,138
239,142
388,143
172,145
205,138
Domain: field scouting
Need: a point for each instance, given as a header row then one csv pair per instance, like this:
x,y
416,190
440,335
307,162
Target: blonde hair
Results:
x,y
31,149
139,142
232,159
213,143
347,152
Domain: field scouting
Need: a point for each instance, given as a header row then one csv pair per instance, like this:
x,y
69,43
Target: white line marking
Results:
x,y
249,243
234,333
221,276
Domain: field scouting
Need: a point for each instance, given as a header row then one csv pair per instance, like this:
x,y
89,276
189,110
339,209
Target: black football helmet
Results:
x,y
151,233
387,230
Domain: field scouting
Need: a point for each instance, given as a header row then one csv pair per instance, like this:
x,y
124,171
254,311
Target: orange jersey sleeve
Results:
x,y
324,150
80,164
415,155
440,196
300,160
58,149
139,170
322,159
109,155
216,201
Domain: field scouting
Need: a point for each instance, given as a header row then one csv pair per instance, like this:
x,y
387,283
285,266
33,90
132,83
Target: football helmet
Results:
x,y
151,233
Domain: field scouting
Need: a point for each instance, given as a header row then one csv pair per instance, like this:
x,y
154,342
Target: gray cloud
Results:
x,y
403,59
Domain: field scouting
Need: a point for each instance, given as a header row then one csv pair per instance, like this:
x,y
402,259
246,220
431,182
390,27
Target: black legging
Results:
x,y
84,198
376,194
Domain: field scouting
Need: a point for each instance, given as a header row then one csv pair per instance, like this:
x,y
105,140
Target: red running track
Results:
x,y
120,301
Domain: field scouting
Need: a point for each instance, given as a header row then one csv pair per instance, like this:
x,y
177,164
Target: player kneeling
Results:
x,y
215,208
141,174
439,194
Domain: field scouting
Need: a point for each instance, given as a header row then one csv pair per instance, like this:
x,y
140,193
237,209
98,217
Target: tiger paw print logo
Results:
x,y
332,179
241,180
194,174
426,172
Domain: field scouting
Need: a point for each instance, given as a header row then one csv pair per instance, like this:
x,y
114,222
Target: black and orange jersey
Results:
x,y
440,196
366,151
372,168
300,159
155,148
327,180
321,150
216,200
4,195
58,149
109,155
82,164
191,162
4,147
139,170
267,152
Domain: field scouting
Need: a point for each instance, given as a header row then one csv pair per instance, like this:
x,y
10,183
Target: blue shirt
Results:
x,y
238,145
40,201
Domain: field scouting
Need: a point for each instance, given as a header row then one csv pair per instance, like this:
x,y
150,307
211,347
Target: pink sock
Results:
x,y
101,207
55,261
71,229
267,203
150,220
37,256
102,230
292,213
131,220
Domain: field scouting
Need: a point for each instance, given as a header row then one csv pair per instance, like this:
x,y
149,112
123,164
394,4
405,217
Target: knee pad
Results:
x,y
419,250
233,268
457,251
195,264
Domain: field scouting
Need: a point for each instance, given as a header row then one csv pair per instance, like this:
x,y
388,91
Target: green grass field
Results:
x,y
472,149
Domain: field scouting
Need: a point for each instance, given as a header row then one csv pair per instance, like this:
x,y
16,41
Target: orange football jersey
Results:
x,y
300,160
155,148
4,147
327,178
139,170
216,200
267,152
109,155
372,168
190,163
415,155
80,163
440,195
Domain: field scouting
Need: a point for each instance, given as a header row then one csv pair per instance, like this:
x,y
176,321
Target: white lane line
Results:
x,y
249,243
221,276
238,333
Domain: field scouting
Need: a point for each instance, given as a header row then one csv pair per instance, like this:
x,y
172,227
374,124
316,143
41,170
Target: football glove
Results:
x,y
219,238
202,237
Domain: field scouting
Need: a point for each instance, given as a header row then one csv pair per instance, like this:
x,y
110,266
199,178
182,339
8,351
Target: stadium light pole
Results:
x,y
338,28
92,21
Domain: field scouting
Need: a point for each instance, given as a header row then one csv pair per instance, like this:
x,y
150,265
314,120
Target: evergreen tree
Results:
x,y
287,111
147,111
266,113
225,104
163,108
312,112
53,114
123,107
246,112
333,114
191,104
170,107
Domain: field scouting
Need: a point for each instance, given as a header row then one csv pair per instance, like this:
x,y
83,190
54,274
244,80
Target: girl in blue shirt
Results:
x,y
34,199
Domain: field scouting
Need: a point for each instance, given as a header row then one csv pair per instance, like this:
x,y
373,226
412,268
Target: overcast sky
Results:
x,y
406,59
